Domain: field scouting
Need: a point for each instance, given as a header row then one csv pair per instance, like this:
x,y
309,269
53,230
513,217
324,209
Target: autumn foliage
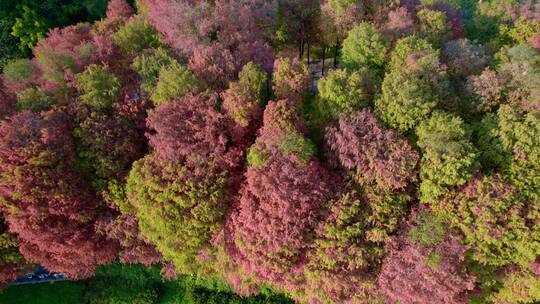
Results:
x,y
336,151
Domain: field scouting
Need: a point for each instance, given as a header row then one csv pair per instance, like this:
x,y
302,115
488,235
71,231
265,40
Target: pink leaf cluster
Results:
x,y
49,208
406,276
218,39
400,23
134,249
119,8
190,127
278,208
377,155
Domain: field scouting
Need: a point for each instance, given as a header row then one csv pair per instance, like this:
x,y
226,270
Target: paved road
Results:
x,y
40,275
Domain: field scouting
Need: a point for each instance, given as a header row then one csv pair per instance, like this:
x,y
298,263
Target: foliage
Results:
x,y
34,99
227,35
410,175
364,47
400,23
341,92
125,229
429,229
135,36
521,286
488,89
18,69
7,100
449,158
119,9
432,26
29,21
99,87
373,154
179,208
36,183
413,86
106,147
291,79
404,278
243,103
347,248
187,128
59,52
495,220
174,82
12,264
487,18
149,64
256,158
278,205
519,131
254,78
464,58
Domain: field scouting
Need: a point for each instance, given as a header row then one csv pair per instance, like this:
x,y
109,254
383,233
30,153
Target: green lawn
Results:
x,y
129,284
46,293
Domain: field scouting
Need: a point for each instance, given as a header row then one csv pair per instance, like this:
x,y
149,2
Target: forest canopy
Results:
x,y
334,151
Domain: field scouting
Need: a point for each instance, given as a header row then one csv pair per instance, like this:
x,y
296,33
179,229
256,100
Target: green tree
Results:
x,y
136,35
149,64
34,99
520,286
178,208
18,69
498,223
433,27
341,91
365,47
449,158
254,78
408,49
244,99
99,87
414,85
174,82
519,132
30,28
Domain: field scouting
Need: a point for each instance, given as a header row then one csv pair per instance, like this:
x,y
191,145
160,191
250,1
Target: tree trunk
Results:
x,y
268,90
336,53
323,59
308,51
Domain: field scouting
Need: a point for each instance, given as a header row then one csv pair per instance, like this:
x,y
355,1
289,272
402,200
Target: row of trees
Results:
x,y
185,135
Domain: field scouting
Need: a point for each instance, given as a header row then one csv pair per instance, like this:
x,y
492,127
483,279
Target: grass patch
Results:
x,y
64,292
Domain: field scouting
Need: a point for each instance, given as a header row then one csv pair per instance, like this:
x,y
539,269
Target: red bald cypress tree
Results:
x,y
280,201
373,154
12,264
218,38
190,126
425,265
47,205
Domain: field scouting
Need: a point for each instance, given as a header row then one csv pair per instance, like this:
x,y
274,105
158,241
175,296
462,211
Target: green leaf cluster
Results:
x,y
449,157
99,87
